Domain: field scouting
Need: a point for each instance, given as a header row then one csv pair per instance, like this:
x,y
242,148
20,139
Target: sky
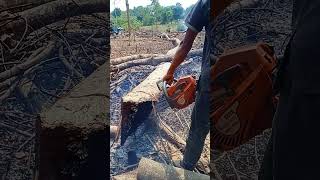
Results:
x,y
134,3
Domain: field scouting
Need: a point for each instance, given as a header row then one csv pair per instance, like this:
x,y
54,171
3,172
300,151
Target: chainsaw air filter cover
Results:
x,y
241,101
182,92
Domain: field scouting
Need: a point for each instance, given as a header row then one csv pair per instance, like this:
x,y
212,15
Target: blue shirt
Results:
x,y
196,20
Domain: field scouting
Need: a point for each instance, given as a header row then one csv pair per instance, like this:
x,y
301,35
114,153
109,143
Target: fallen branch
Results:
x,y
174,41
154,61
7,83
68,65
15,129
171,136
54,11
34,59
121,60
9,5
8,92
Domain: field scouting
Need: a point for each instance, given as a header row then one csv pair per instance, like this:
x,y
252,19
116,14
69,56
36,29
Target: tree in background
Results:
x,y
116,12
166,15
178,12
128,18
150,15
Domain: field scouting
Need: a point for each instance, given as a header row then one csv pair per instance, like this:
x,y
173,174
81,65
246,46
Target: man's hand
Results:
x,y
168,78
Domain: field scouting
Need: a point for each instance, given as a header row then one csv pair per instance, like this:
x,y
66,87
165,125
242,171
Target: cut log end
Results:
x,y
149,169
79,117
137,104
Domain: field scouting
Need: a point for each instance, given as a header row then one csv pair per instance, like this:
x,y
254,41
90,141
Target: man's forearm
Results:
x,y
183,50
179,57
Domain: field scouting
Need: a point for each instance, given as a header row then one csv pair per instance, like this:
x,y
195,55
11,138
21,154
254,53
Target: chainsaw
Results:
x,y
181,93
241,103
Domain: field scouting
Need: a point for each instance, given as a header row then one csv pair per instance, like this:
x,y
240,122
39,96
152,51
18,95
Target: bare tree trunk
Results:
x,y
128,17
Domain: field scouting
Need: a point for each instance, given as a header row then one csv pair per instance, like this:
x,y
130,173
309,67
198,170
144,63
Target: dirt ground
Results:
x,y
145,43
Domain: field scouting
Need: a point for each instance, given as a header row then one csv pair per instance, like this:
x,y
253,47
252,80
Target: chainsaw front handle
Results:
x,y
162,86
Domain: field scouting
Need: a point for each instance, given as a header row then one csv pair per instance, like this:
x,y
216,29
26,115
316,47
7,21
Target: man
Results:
x,y
293,151
200,126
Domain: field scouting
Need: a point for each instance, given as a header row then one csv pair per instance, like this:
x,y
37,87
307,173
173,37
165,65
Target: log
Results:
x,y
10,5
176,140
175,41
120,60
54,11
131,175
113,131
80,116
149,170
154,61
137,104
35,58
68,65
171,136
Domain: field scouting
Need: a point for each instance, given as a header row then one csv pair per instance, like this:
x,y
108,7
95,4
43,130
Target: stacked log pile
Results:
x,y
46,48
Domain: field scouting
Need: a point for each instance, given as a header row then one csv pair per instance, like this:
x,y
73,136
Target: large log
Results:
x,y
149,170
131,175
54,11
136,106
80,116
18,5
154,61
120,60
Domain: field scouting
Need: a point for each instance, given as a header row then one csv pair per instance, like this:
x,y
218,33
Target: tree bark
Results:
x,y
124,59
51,12
80,116
20,5
154,61
149,169
34,59
128,18
137,104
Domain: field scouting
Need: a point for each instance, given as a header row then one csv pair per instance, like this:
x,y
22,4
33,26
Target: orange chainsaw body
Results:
x,y
181,93
241,103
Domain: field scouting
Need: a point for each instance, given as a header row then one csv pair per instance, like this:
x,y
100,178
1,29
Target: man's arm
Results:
x,y
180,54
195,21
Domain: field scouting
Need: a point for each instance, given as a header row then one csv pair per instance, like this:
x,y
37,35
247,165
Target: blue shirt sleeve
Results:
x,y
198,16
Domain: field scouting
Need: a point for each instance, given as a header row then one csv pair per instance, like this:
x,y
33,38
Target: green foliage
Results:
x,y
150,15
122,21
178,12
116,12
181,27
